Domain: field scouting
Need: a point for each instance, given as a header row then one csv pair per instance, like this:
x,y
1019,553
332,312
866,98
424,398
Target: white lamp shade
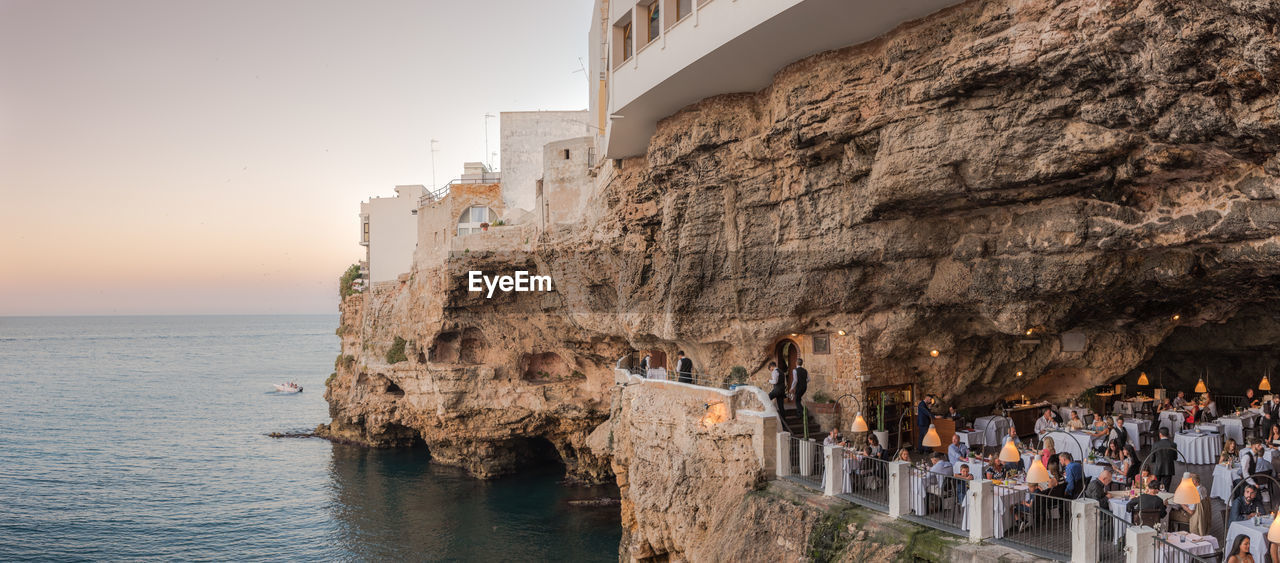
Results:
x,y
1265,385
931,439
1009,453
1273,533
859,424
1037,473
1186,492
1200,388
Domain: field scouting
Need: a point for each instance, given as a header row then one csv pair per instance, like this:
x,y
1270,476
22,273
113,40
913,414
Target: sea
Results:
x,y
146,438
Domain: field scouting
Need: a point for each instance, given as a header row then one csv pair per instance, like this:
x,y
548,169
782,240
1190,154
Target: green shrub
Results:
x,y
330,379
395,354
344,282
737,375
821,397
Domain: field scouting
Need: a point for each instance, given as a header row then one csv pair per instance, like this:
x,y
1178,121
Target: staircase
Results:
x,y
792,419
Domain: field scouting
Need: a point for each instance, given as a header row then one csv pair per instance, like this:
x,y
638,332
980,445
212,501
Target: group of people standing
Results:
x,y
793,384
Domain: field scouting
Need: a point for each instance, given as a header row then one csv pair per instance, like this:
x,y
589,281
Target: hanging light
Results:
x,y
1037,473
1187,493
1273,533
931,439
1200,388
1009,453
1142,379
1265,384
859,424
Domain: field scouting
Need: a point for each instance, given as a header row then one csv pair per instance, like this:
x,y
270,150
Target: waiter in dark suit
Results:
x,y
923,419
799,382
1164,453
684,367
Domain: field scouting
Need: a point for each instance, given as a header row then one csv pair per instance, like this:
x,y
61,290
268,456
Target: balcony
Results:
x,y
729,46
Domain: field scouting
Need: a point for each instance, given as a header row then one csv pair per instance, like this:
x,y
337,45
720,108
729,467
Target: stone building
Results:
x,y
524,134
387,231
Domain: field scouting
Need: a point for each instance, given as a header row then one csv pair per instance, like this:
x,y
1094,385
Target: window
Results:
x,y
566,154
472,218
683,8
628,47
821,344
655,25
364,235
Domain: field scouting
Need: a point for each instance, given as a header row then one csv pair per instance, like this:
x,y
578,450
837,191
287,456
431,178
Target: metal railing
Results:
x,y
865,481
443,191
1041,525
807,462
1112,529
1167,552
938,500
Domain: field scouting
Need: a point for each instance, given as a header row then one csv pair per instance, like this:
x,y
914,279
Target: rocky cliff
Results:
x,y
982,182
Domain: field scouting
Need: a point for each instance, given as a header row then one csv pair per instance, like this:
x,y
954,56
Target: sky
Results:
x,y
205,157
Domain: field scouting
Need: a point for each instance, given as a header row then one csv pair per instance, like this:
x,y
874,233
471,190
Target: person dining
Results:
x,y
1097,488
1193,414
1231,449
1074,423
1113,451
1046,422
833,438
904,455
1246,506
1197,522
1072,475
956,450
995,469
940,467
874,448
1274,435
1250,401
1098,424
1130,466
1180,400
1240,551
1047,450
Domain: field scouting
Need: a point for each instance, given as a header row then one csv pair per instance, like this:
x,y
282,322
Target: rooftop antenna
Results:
x,y
486,138
433,163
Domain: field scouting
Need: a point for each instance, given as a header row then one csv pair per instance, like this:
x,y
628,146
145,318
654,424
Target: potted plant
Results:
x,y
822,404
882,434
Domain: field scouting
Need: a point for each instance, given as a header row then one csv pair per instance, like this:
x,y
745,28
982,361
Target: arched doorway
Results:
x,y
786,351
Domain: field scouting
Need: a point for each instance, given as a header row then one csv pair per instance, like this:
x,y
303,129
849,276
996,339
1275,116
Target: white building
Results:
x,y
524,134
389,232
652,57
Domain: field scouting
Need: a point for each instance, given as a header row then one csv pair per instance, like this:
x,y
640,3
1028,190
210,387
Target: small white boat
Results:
x,y
290,387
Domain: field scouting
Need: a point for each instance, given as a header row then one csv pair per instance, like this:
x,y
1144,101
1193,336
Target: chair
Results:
x,y
1148,517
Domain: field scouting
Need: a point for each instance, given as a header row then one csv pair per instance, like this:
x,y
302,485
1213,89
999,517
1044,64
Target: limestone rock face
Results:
x,y
1024,185
1067,167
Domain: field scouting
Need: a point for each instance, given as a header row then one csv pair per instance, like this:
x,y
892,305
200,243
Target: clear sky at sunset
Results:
x,y
161,156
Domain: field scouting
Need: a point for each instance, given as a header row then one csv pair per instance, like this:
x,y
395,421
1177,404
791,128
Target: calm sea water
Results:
x,y
145,437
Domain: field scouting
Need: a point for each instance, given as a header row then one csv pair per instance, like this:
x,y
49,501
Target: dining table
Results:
x,y
1224,478
993,428
1135,428
1082,412
1188,542
1198,448
1172,420
970,438
1118,504
1007,495
1234,426
1257,535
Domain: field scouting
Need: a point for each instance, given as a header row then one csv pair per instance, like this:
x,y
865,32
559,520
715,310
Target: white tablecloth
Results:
x,y
1209,427
657,373
1093,470
1206,545
1120,507
1223,479
1135,428
1081,411
970,439
1233,428
1172,420
1257,537
976,467
1006,497
1077,443
993,433
1199,450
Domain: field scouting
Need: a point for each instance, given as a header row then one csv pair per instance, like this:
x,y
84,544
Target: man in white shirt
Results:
x,y
779,392
956,450
1180,400
1045,423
